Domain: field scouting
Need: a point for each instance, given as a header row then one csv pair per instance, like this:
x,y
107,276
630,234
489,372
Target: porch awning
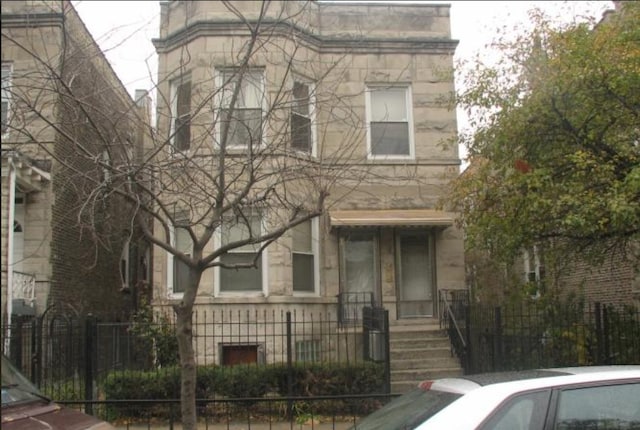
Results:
x,y
390,217
29,178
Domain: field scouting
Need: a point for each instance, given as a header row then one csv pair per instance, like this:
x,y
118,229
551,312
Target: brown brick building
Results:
x,y
65,238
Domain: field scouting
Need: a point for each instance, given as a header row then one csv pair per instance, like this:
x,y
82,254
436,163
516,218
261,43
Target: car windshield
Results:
x,y
407,411
15,387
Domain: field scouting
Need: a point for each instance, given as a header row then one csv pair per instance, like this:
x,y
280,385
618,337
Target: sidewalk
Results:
x,y
244,426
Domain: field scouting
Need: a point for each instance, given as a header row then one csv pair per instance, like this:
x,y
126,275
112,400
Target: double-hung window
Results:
x,y
303,257
390,128
178,269
241,279
6,97
301,122
241,117
181,113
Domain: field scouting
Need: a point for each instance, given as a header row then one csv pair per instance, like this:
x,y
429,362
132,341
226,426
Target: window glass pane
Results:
x,y
409,410
389,104
415,268
182,116
6,82
308,350
245,126
240,279
300,133
390,138
250,95
5,115
301,98
608,407
303,273
359,264
183,102
182,240
183,243
180,275
525,412
235,231
301,237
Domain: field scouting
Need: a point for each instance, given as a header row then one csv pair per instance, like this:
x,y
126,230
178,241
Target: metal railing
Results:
x,y
350,306
453,317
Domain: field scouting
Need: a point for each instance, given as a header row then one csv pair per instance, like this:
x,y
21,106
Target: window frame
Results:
x,y
264,262
315,253
219,78
370,88
6,95
175,85
311,116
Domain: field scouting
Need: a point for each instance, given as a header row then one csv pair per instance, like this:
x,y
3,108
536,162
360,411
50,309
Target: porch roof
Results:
x,y
29,178
390,217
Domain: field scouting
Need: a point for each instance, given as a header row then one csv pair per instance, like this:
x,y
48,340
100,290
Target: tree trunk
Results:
x,y
184,335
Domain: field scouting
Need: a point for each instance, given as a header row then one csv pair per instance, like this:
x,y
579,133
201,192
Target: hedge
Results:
x,y
248,381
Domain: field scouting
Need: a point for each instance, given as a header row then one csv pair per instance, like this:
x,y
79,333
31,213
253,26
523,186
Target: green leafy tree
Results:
x,y
555,153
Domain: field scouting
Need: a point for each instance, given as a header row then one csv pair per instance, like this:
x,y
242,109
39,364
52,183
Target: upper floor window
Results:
x,y
241,279
303,256
181,113
6,97
241,120
389,120
301,122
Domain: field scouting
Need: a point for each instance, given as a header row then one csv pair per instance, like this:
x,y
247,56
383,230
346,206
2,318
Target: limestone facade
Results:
x,y
353,56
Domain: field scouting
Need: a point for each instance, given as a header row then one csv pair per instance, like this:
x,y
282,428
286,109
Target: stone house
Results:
x,y
383,244
62,245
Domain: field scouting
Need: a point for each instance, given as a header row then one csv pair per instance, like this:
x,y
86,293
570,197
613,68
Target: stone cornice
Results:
x,y
323,44
31,20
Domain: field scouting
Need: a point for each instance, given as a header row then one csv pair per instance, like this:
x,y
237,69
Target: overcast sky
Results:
x,y
124,30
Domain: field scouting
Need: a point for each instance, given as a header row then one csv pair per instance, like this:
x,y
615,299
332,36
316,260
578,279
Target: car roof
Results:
x,y
467,383
474,405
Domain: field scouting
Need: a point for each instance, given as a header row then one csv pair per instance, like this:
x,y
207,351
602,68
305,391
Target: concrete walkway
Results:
x,y
243,426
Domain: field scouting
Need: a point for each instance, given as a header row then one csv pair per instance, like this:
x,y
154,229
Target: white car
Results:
x,y
584,398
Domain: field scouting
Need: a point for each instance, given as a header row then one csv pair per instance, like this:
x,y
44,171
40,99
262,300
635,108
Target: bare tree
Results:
x,y
240,156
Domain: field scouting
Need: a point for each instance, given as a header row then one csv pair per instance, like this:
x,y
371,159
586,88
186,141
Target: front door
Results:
x,y
415,278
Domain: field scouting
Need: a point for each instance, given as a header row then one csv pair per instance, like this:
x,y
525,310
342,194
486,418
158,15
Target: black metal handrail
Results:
x,y
450,313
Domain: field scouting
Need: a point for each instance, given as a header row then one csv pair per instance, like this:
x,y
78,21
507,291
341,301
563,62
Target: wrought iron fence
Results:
x,y
538,334
81,360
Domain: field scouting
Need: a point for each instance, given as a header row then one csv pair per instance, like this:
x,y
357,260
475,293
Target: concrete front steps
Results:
x,y
420,350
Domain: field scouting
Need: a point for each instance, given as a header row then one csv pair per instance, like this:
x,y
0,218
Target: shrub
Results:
x,y
244,381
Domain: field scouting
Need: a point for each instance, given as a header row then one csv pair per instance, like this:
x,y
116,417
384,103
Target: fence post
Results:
x,y
497,340
16,344
599,334
467,364
387,353
36,359
89,364
606,334
289,367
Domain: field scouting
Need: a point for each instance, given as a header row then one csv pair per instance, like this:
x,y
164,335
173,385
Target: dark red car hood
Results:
x,y
44,416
